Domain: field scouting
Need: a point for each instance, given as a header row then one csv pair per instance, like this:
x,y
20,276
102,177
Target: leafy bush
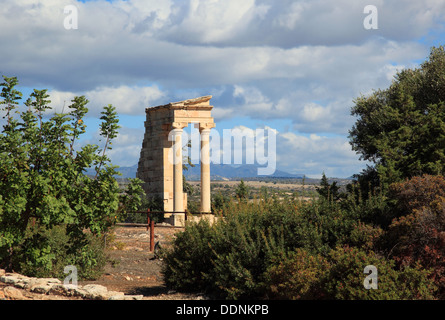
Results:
x,y
290,250
419,234
417,193
229,258
304,275
191,257
365,236
297,275
44,187
53,252
345,278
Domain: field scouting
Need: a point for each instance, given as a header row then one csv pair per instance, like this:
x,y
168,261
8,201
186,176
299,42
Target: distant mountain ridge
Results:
x,y
218,172
221,171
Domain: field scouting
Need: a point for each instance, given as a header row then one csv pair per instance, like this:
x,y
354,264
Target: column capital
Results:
x,y
206,126
179,125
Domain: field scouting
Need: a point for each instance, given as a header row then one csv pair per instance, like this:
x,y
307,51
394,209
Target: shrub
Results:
x,y
304,275
365,236
417,192
292,250
345,278
242,191
296,275
190,259
229,258
419,234
53,253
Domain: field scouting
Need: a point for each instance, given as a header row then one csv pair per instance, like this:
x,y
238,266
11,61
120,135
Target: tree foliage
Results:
x,y
402,129
43,180
418,234
242,190
328,190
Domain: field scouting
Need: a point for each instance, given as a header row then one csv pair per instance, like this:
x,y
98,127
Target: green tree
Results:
x,y
327,190
43,184
401,130
218,201
242,190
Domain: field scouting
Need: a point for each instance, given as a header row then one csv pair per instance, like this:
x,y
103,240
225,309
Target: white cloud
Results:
x,y
314,87
314,112
214,21
299,61
127,100
290,23
290,18
313,154
126,147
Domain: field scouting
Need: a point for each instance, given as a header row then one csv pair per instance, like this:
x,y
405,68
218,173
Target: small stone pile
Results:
x,y
53,286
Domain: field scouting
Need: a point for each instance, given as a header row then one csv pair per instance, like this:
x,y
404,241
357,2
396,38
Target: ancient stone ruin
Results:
x,y
160,162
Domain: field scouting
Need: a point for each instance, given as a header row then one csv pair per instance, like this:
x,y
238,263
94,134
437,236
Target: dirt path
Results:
x,y
133,269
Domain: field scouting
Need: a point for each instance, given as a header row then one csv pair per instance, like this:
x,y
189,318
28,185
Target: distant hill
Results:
x,y
128,172
227,171
218,172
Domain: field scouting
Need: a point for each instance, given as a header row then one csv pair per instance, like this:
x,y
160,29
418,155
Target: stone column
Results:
x,y
205,170
178,198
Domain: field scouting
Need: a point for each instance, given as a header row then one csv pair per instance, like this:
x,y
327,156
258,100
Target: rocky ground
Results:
x,y
132,273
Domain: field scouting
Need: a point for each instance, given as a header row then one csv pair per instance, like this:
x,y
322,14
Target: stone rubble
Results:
x,y
53,286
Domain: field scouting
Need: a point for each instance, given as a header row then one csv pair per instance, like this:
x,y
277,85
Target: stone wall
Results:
x,y
17,284
153,167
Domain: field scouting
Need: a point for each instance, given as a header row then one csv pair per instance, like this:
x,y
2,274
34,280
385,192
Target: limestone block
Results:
x,y
177,219
10,278
95,292
12,293
211,218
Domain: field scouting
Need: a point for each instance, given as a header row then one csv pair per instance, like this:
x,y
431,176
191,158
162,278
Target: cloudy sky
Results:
x,y
294,66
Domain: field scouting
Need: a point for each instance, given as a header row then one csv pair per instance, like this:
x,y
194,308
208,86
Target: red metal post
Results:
x,y
148,218
151,225
152,235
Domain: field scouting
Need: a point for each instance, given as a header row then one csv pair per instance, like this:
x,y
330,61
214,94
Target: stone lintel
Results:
x,y
201,103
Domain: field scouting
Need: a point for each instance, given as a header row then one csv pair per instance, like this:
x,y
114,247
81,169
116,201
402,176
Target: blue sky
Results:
x,y
294,66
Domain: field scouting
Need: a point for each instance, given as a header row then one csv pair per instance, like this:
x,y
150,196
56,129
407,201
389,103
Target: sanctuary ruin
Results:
x,y
160,164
